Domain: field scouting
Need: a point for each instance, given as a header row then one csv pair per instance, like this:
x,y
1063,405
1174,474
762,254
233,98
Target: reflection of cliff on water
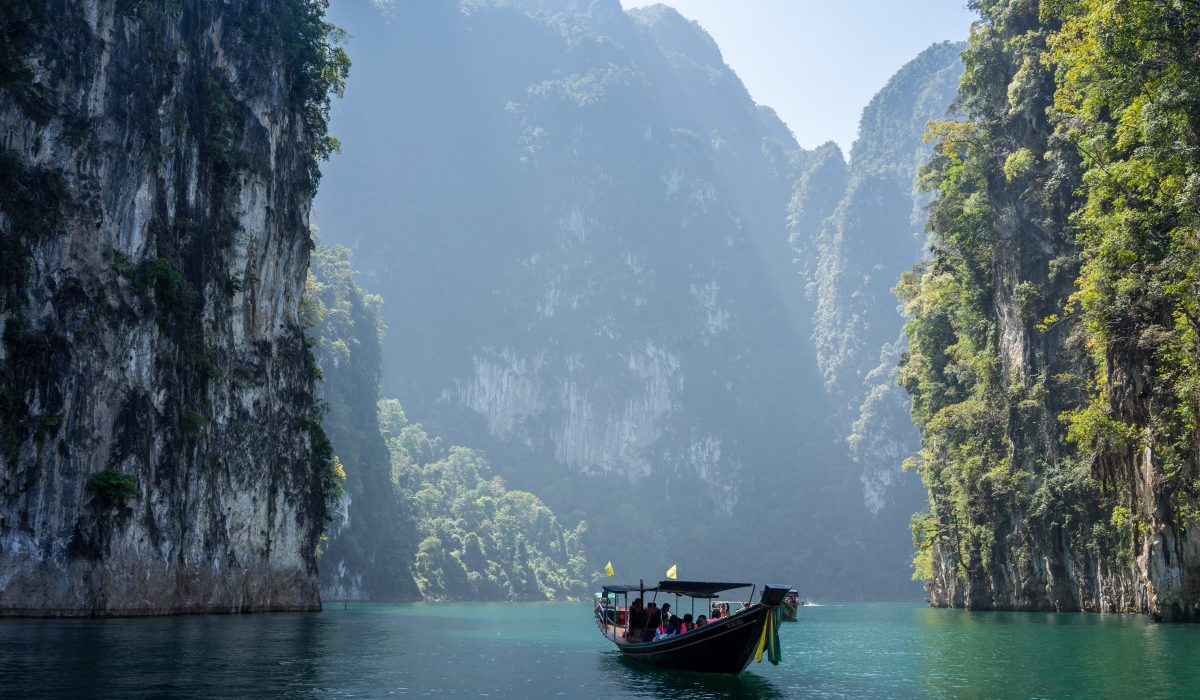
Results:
x,y
190,657
642,681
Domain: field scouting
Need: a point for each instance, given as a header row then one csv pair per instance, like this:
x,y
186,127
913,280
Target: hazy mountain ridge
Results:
x,y
556,120
596,262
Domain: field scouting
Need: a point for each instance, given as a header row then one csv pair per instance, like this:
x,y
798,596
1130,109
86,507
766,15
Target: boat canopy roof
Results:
x,y
699,589
693,589
613,588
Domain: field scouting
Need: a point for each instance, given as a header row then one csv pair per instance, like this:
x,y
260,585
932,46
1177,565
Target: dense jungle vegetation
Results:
x,y
1053,332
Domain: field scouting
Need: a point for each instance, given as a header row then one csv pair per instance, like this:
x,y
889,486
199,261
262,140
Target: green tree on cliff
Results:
x,y
1129,99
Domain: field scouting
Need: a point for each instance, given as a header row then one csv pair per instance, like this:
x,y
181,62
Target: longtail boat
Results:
x,y
725,645
791,605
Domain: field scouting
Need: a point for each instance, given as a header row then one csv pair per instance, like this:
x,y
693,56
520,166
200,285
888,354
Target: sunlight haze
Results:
x,y
528,348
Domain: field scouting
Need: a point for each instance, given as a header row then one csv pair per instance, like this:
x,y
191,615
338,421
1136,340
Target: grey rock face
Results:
x,y
155,243
572,250
856,227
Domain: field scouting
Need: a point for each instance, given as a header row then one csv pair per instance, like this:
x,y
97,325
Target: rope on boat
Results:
x,y
769,640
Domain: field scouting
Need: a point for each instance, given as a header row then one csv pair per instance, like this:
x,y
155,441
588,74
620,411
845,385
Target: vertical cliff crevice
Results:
x,y
155,386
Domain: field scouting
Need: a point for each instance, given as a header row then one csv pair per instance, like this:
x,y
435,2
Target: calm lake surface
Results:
x,y
553,649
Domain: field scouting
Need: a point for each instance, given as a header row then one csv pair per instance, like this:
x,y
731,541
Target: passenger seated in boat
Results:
x,y
653,619
687,625
716,612
666,611
669,628
673,625
637,622
701,621
637,615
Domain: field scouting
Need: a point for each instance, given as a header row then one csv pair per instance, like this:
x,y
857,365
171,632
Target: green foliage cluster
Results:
x,y
479,539
191,424
172,292
333,303
328,469
371,547
113,487
1128,97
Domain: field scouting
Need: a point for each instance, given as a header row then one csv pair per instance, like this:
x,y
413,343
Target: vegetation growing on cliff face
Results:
x,y
1052,333
413,509
971,392
112,487
319,66
1128,97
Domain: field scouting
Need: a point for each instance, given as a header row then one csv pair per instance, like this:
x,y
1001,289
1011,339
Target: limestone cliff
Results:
x,y
1052,333
156,403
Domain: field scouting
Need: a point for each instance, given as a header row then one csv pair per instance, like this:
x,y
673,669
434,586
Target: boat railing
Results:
x,y
611,618
611,615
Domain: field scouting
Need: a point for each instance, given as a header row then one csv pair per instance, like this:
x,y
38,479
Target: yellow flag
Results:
x,y
608,570
671,572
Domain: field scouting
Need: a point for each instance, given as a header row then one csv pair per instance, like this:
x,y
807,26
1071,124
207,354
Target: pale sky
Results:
x,y
816,62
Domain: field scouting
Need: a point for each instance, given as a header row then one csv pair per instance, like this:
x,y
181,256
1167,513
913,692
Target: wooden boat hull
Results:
x,y
788,610
724,646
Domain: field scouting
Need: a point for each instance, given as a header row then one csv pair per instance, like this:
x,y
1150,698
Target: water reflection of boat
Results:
x,y
725,645
642,681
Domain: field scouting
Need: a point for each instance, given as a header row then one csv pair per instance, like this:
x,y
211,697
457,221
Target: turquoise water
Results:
x,y
554,650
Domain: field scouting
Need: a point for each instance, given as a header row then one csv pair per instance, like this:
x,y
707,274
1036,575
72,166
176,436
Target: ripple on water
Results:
x,y
553,650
